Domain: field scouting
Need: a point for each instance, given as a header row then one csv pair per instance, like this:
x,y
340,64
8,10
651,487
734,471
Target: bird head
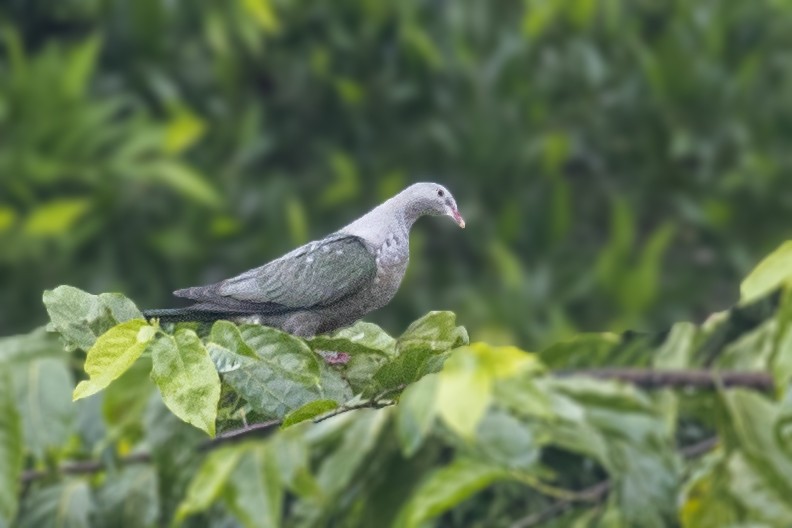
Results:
x,y
434,199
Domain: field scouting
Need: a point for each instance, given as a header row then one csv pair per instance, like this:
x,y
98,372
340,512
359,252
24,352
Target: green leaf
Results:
x,y
309,411
360,338
184,180
359,440
80,317
285,377
125,400
22,348
771,273
436,331
227,348
424,341
753,488
506,442
65,504
677,350
10,450
446,488
580,351
208,483
80,66
112,354
56,217
187,379
290,452
43,387
369,348
254,492
752,430
129,497
464,393
416,413
184,129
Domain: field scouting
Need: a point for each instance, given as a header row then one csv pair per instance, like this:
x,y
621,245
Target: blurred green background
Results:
x,y
620,163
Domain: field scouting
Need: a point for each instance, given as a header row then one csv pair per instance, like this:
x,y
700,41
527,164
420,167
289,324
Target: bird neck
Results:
x,y
393,217
405,209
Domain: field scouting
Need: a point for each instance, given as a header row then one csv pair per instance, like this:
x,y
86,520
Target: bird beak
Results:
x,y
458,218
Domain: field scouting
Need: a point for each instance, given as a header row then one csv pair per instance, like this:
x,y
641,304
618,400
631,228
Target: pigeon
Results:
x,y
326,284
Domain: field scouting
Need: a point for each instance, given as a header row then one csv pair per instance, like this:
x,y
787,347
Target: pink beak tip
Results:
x,y
459,220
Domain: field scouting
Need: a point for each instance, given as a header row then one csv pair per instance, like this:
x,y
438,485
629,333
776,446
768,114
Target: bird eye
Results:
x,y
440,193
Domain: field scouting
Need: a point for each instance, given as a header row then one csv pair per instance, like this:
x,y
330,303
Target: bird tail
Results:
x,y
182,315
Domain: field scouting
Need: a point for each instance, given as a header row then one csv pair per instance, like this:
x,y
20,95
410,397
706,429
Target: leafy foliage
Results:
x,y
411,430
620,164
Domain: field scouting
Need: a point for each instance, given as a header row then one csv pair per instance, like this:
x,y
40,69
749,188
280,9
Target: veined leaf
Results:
x,y
112,354
227,348
80,317
360,338
285,376
187,379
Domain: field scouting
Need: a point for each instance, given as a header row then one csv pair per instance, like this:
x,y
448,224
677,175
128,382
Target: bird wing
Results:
x,y
316,274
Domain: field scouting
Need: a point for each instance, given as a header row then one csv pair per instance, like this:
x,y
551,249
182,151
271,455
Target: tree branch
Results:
x,y
644,378
83,467
698,379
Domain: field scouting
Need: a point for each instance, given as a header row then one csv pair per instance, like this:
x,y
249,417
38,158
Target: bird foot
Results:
x,y
335,358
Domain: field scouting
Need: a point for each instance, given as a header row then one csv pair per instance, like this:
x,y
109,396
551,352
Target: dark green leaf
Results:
x,y
308,411
286,376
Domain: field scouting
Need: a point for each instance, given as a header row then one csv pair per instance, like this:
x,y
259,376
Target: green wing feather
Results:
x,y
317,274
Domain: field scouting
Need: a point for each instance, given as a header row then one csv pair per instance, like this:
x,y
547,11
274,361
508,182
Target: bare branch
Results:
x,y
697,379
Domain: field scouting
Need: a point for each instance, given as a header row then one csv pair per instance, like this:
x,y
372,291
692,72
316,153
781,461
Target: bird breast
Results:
x,y
392,257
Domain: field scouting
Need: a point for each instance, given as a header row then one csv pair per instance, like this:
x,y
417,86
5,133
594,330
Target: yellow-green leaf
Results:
x,y
463,394
55,217
774,271
112,354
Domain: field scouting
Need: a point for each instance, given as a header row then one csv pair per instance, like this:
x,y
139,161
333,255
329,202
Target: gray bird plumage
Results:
x,y
325,284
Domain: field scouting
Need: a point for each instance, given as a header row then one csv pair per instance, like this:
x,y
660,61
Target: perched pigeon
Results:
x,y
325,284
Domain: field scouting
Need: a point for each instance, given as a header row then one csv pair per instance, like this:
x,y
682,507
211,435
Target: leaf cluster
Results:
x,y
420,428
